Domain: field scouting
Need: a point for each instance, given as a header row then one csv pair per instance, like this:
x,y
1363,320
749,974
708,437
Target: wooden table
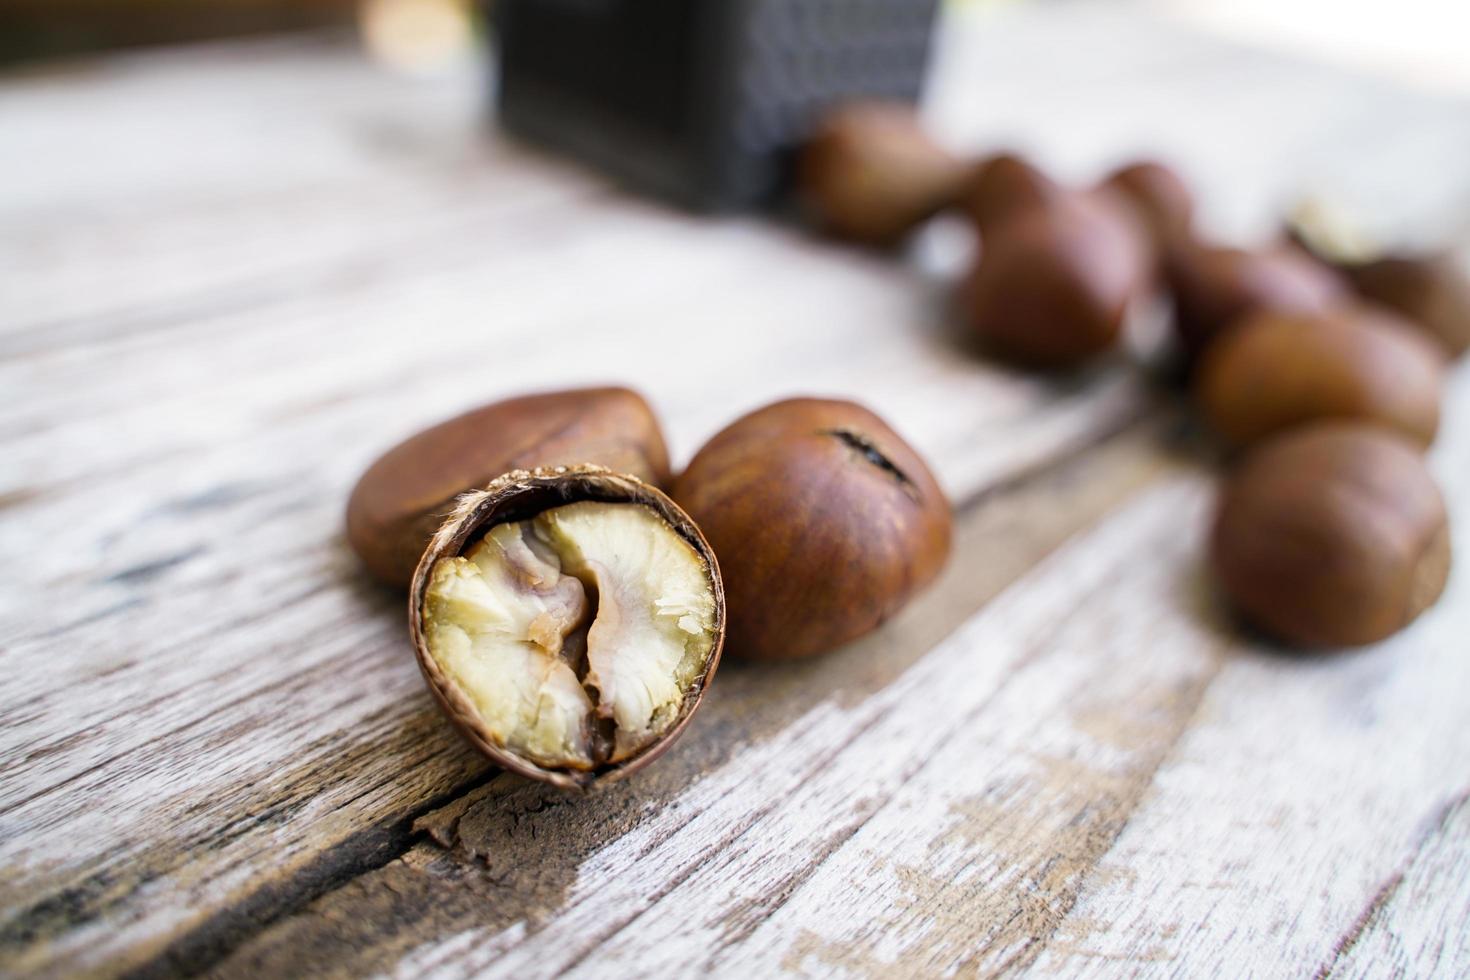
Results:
x,y
232,276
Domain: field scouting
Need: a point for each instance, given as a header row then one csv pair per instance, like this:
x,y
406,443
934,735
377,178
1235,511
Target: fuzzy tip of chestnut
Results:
x,y
825,521
1160,198
871,174
1053,285
568,621
1276,371
404,495
1005,185
1331,536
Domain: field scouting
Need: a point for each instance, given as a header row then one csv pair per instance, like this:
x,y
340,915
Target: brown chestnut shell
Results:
x,y
403,496
1431,291
519,495
1215,287
826,523
1005,186
1333,535
871,174
1159,196
1053,285
1277,371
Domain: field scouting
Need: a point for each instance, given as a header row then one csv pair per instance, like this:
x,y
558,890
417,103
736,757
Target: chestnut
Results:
x,y
1432,291
404,495
1053,284
568,621
1158,196
870,173
1213,287
1333,535
1004,186
824,520
1277,370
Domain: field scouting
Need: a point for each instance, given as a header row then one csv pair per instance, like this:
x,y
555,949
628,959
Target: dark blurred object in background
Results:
x,y
699,100
34,29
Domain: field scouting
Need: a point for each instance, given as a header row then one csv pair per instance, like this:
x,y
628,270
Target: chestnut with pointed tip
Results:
x,y
1215,287
568,621
1333,535
1158,196
824,520
1276,371
1053,284
1004,186
404,495
870,173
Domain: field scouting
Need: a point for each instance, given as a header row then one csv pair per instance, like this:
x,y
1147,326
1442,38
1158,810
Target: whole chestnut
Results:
x,y
1158,196
568,621
1332,535
1053,284
1214,287
871,174
1004,186
824,520
1432,291
1276,371
404,495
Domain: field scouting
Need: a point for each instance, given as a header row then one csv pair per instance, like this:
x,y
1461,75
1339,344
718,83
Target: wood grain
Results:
x,y
218,751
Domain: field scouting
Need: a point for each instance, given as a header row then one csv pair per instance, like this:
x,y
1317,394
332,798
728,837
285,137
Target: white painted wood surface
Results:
x,y
229,277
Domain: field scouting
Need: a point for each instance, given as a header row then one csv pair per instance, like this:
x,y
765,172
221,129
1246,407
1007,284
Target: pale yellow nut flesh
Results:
x,y
575,634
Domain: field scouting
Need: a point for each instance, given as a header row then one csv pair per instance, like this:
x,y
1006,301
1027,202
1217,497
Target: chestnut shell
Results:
x,y
1333,535
1215,287
1431,291
1276,371
403,496
826,523
871,174
516,496
1053,284
1005,186
1158,195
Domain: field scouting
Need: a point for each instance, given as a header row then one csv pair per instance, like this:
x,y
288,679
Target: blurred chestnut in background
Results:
x,y
1004,186
870,173
1159,197
1275,370
1215,286
404,496
823,520
1053,284
1334,535
1432,291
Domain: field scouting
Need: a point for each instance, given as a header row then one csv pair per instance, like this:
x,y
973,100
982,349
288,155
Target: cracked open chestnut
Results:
x,y
1332,535
568,621
403,496
1276,371
824,520
871,174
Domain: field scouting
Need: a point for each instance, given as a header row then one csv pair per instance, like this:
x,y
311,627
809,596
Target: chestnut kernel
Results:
x,y
404,495
1053,285
1215,287
825,522
568,620
1276,371
1333,535
870,173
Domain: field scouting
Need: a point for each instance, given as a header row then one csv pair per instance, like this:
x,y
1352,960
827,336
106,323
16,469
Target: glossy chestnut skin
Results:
x,y
1432,291
403,496
824,520
514,496
1276,371
1215,287
1333,535
1053,284
1159,197
1004,186
871,174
